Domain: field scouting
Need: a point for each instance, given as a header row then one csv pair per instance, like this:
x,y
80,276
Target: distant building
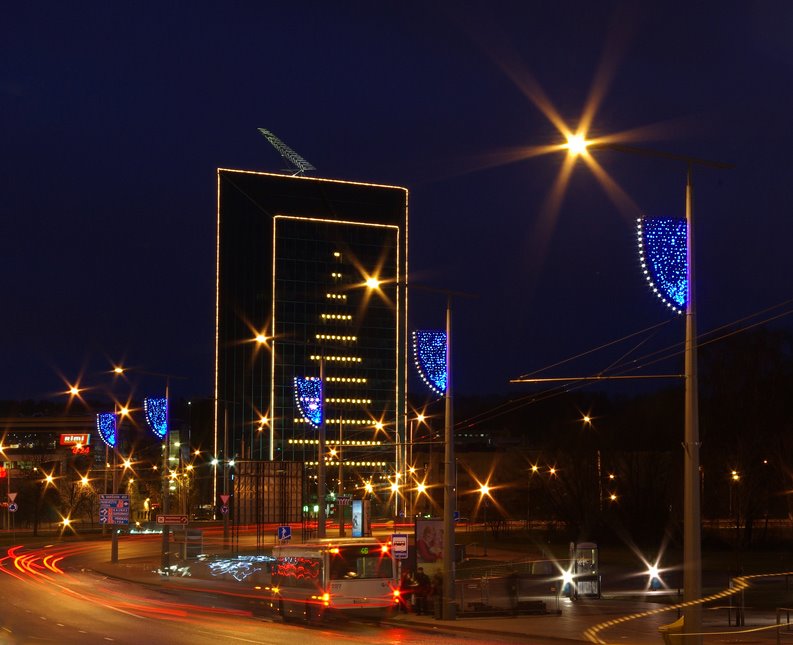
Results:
x,y
293,258
62,443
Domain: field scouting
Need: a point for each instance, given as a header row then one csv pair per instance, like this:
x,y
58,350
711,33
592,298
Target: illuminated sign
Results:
x,y
75,439
77,449
3,472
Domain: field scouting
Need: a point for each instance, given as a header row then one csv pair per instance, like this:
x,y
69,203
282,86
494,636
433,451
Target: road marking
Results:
x,y
59,624
8,630
107,638
43,617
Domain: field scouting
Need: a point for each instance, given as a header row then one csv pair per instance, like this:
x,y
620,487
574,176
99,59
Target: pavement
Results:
x,y
613,618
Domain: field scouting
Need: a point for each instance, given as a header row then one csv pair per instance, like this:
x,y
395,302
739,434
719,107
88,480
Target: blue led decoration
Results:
x,y
157,415
662,251
106,424
308,397
429,354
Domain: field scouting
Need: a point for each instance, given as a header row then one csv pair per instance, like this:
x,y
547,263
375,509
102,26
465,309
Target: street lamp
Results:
x,y
532,471
692,550
484,495
436,369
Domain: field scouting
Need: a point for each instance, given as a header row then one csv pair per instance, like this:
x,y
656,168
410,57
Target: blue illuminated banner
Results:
x,y
308,397
429,354
106,425
662,252
157,415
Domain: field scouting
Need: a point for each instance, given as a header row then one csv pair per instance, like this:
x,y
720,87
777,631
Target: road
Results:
x,y
48,595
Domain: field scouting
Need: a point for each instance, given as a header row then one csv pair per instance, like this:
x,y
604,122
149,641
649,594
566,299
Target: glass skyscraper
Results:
x,y
311,278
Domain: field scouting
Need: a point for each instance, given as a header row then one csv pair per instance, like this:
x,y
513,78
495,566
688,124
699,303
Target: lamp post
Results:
x,y
484,492
532,471
692,514
448,611
339,506
448,607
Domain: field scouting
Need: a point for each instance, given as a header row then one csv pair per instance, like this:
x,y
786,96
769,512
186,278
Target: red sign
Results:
x,y
73,439
80,450
172,519
3,472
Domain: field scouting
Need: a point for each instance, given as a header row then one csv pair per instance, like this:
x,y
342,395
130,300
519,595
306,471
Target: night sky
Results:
x,y
115,117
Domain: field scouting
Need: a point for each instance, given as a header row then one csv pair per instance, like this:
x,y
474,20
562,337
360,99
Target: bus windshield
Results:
x,y
360,562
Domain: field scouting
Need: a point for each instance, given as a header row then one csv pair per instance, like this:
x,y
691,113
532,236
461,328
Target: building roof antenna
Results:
x,y
298,165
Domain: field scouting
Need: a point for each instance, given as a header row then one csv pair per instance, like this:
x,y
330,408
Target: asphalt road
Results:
x,y
48,595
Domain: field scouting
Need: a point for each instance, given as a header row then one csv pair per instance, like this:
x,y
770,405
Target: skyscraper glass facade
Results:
x,y
294,257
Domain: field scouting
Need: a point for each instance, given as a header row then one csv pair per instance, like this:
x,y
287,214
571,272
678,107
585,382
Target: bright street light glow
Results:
x,y
577,144
372,283
484,489
74,391
261,339
118,370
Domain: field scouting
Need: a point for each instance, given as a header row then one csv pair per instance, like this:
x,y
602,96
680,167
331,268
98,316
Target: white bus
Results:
x,y
354,576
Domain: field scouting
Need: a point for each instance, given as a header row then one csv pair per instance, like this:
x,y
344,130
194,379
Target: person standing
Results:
x,y
407,587
422,591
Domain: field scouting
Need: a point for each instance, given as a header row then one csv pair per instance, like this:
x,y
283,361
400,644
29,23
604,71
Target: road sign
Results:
x,y
344,500
114,509
224,499
172,520
284,532
12,507
224,509
399,546
12,497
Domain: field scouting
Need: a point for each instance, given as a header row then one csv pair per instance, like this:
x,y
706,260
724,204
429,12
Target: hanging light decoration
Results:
x,y
429,354
662,252
308,398
157,415
106,424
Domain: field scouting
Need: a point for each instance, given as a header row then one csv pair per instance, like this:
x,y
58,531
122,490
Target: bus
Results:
x,y
354,577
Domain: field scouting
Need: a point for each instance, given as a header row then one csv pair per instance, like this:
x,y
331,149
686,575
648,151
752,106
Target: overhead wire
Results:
x,y
676,349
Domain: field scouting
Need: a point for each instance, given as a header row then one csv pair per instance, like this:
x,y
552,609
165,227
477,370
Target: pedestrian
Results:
x,y
407,586
423,585
437,592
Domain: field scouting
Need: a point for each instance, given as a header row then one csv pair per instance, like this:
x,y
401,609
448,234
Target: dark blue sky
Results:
x,y
115,117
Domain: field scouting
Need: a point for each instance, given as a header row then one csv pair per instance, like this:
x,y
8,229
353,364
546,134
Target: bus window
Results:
x,y
294,571
364,562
